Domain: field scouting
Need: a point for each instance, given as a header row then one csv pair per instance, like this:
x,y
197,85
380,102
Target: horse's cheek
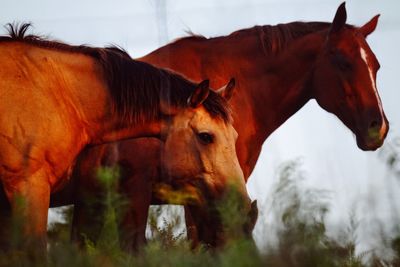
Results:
x,y
177,156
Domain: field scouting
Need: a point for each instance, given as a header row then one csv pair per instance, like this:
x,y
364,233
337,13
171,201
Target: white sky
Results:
x,y
328,150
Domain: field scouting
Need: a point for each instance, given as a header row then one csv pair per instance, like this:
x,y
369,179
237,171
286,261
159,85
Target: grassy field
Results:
x,y
302,239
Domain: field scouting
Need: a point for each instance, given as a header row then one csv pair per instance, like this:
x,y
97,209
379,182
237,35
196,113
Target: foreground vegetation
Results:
x,y
302,239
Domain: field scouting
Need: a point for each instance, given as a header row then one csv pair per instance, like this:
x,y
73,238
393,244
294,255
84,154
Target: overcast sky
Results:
x,y
328,152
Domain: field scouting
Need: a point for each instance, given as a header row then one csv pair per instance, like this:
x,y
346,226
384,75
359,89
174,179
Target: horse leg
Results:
x,y
191,228
132,226
88,217
29,199
5,215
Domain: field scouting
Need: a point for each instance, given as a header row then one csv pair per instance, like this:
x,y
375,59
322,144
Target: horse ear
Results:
x,y
226,91
370,26
199,94
340,19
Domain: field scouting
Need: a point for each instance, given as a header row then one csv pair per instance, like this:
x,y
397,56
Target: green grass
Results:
x,y
302,239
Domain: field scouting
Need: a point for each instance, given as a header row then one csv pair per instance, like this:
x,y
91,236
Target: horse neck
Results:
x,y
274,87
115,129
284,83
103,123
112,126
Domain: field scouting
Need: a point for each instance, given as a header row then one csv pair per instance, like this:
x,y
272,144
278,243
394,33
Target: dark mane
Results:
x,y
277,37
137,88
192,37
190,33
274,38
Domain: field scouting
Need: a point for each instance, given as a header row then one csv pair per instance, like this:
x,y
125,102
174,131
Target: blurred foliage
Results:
x,y
169,233
390,153
302,239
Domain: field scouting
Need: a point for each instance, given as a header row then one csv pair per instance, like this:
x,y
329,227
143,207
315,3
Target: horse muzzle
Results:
x,y
373,135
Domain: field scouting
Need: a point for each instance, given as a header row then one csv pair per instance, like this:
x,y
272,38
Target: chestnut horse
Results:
x,y
278,69
57,98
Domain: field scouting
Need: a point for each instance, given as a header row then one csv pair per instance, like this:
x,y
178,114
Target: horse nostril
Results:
x,y
373,124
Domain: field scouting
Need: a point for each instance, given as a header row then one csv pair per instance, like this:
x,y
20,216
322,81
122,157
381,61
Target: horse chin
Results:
x,y
367,142
369,145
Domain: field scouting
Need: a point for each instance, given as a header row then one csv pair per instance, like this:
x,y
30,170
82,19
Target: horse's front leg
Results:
x,y
88,217
29,201
5,215
191,229
136,189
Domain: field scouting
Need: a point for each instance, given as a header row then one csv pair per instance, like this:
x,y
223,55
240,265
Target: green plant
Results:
x,y
300,219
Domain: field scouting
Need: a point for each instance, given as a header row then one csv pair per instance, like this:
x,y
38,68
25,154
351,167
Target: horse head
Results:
x,y
344,81
199,157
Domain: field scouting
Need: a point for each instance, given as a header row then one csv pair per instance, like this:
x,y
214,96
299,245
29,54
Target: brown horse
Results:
x,y
278,69
57,98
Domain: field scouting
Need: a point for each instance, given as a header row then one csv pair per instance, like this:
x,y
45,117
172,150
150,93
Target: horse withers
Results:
x,y
57,98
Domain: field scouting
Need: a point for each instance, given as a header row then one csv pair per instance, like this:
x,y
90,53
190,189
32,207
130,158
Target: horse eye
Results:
x,y
344,65
341,62
206,138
